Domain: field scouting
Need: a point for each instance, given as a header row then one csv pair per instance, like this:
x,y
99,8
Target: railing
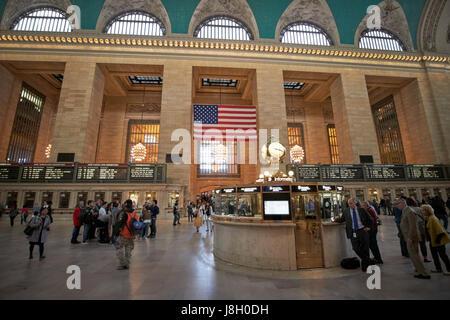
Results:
x,y
370,173
82,173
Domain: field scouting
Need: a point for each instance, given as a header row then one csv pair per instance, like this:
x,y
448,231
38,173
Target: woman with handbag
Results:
x,y
198,221
40,225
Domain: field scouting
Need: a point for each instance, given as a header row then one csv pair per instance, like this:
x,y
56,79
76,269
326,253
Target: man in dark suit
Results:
x,y
357,224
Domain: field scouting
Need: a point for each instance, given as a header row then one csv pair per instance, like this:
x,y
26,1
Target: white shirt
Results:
x,y
358,218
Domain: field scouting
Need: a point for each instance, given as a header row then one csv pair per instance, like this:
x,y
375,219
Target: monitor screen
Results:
x,y
276,207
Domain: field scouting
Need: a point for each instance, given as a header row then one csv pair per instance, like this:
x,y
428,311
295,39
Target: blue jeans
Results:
x,y
87,227
75,233
144,231
176,217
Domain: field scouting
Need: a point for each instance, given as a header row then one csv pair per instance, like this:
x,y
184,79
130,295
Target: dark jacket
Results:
x,y
366,220
155,211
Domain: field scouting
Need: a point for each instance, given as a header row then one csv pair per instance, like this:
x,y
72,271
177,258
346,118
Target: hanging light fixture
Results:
x,y
139,151
220,151
48,151
297,153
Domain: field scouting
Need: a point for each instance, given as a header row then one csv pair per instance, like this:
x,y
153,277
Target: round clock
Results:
x,y
277,150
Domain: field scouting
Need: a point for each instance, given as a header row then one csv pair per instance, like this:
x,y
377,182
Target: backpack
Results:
x,y
350,263
134,226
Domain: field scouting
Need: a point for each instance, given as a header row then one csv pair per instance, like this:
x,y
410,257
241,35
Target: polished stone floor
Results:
x,y
179,264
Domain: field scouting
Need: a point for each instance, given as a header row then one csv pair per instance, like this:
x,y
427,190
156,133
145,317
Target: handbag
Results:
x,y
28,230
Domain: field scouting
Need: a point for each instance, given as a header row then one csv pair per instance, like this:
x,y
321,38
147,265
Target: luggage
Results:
x,y
350,263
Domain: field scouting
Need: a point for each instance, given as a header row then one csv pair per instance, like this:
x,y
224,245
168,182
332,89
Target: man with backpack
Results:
x,y
127,218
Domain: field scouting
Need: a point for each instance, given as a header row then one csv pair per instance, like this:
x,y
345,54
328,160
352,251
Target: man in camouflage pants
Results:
x,y
126,239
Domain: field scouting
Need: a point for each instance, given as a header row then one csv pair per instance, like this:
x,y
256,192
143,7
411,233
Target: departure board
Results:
x,y
385,172
9,173
47,173
308,172
426,172
342,173
102,172
142,172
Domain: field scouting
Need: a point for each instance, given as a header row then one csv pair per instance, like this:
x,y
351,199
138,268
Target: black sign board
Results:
x,y
66,157
47,173
342,173
276,189
325,188
426,172
142,172
9,173
102,173
304,189
249,189
228,190
385,172
308,172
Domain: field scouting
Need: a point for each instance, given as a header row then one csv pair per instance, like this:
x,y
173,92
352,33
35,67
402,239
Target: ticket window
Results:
x,y
29,199
413,194
47,196
64,199
330,205
134,197
399,193
250,205
373,194
82,196
150,196
173,197
116,197
100,195
227,205
11,199
360,195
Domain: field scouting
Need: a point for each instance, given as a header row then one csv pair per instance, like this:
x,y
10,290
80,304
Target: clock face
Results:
x,y
277,150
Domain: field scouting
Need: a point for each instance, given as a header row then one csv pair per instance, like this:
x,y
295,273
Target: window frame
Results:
x,y
379,41
136,12
211,174
128,146
334,156
26,14
240,24
319,30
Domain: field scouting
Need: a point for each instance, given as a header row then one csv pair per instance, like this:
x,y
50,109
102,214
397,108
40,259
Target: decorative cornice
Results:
x,y
123,41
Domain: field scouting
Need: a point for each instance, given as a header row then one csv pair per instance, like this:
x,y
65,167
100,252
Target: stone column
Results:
x,y
316,134
176,113
355,129
271,106
79,110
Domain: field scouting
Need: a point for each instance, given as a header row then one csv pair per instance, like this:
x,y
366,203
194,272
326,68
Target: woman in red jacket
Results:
x,y
76,223
373,244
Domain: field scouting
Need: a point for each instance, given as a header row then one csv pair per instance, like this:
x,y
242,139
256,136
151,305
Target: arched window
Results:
x,y
47,19
305,33
137,23
222,27
380,40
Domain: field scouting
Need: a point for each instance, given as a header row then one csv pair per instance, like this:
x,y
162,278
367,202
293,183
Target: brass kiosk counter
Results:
x,y
277,226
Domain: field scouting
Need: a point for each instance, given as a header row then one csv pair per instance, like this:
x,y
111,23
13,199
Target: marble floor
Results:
x,y
179,264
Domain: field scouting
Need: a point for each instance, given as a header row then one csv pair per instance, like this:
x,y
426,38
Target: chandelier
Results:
x,y
139,152
48,150
297,154
220,154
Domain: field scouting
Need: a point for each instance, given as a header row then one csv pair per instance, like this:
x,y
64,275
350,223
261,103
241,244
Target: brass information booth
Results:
x,y
283,222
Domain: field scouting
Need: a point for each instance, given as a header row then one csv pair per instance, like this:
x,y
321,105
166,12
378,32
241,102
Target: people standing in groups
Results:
x,y
438,238
40,223
87,219
373,243
410,232
76,222
13,212
103,221
176,214
357,225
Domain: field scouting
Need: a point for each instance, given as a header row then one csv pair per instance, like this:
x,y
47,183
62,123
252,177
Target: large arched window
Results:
x,y
138,23
47,19
222,27
305,33
380,40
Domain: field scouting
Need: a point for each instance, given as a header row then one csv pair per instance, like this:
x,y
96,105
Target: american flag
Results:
x,y
213,121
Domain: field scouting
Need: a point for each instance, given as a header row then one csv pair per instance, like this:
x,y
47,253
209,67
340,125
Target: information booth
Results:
x,y
279,226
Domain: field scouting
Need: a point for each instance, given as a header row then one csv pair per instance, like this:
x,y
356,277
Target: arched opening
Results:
x,y
223,27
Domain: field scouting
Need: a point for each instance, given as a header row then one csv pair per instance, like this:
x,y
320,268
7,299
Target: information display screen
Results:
x,y
342,173
426,172
9,173
307,172
47,173
385,172
102,173
276,207
142,172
